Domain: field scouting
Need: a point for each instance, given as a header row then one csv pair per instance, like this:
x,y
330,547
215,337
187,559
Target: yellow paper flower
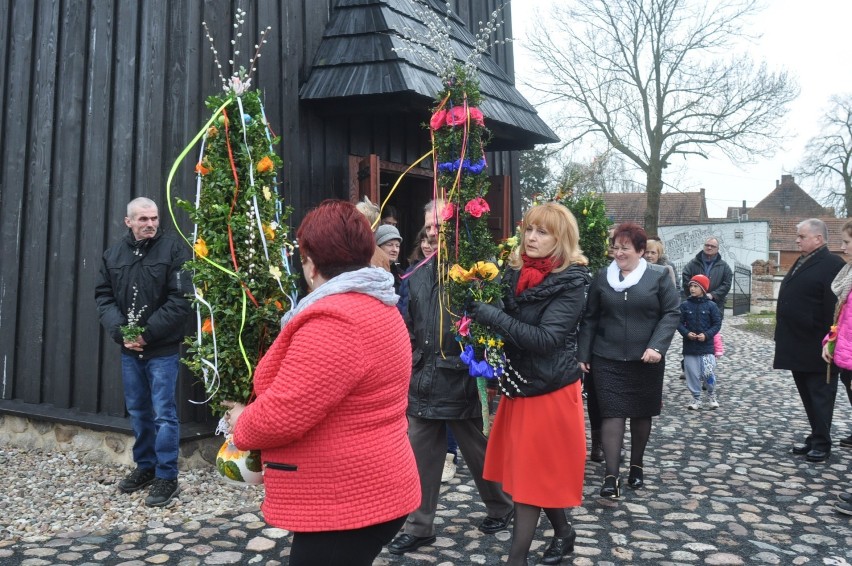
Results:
x,y
267,193
486,270
492,342
268,232
481,340
275,271
459,274
200,247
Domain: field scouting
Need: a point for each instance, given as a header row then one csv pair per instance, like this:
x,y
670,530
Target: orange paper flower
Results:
x,y
200,168
268,232
207,327
265,165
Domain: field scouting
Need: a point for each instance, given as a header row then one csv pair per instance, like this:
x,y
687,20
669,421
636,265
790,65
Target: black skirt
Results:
x,y
628,389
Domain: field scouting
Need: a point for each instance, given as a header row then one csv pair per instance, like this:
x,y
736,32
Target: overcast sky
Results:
x,y
811,39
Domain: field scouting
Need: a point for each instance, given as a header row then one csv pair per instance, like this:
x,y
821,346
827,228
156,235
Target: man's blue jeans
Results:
x,y
149,392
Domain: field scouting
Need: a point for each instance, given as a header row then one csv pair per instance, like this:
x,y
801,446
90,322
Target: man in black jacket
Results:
x,y
804,315
441,394
709,262
141,297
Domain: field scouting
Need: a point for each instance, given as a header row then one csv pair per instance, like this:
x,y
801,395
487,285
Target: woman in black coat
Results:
x,y
537,448
631,315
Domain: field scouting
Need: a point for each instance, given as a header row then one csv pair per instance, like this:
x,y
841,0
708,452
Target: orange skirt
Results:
x,y
537,448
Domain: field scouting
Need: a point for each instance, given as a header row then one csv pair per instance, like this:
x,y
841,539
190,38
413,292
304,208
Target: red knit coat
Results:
x,y
329,418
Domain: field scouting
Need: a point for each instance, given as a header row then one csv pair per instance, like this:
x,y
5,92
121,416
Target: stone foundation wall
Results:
x,y
95,446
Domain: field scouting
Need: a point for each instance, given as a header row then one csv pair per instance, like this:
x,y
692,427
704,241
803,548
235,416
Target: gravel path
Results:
x,y
50,494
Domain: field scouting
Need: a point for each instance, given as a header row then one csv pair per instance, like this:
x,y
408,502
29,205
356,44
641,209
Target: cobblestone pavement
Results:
x,y
721,489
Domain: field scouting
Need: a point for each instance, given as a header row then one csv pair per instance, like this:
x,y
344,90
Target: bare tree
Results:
x,y
828,156
656,79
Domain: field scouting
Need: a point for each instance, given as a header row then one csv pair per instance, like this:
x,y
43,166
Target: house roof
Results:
x,y
676,209
788,201
786,206
356,60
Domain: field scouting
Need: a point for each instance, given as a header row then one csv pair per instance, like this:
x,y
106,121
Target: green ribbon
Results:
x,y
175,166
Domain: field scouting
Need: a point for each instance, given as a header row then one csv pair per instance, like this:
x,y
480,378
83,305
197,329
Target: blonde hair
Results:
x,y
559,222
370,210
657,245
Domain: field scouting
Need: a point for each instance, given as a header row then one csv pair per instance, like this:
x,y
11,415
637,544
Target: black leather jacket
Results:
x,y
441,387
153,267
539,327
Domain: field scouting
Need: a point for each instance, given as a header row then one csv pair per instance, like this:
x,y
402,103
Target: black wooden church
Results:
x,y
98,99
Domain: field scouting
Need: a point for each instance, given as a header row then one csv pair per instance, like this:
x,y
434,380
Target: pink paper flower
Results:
x,y
477,207
456,116
448,211
463,326
438,119
476,115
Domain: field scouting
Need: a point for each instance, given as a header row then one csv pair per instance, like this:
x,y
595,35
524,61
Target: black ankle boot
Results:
x,y
596,454
559,548
634,480
611,487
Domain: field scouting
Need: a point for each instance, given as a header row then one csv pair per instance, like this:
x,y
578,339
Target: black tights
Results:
x,y
526,521
612,439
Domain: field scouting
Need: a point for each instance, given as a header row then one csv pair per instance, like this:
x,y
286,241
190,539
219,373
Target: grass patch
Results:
x,y
762,324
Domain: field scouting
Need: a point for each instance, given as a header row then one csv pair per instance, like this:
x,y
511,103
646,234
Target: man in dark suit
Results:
x,y
803,317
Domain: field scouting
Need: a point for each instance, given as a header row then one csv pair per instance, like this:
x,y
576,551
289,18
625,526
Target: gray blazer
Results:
x,y
622,325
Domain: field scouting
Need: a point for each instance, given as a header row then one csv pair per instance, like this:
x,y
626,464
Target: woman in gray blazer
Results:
x,y
631,315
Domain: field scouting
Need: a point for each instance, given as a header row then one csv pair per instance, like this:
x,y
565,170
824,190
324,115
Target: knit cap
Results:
x,y
385,233
702,281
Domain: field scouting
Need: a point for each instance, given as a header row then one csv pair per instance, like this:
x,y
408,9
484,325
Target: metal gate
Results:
x,y
741,289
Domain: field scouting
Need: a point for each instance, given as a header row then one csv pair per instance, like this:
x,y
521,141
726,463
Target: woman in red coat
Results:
x,y
331,393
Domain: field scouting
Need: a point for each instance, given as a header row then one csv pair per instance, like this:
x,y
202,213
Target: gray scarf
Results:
x,y
840,286
371,281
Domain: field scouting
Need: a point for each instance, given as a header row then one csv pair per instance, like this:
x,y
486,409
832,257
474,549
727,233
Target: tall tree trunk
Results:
x,y
653,188
847,195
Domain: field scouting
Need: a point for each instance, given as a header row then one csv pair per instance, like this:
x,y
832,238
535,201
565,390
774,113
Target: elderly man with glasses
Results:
x,y
709,262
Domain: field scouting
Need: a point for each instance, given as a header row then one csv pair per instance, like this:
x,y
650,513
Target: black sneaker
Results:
x,y
136,480
161,492
846,442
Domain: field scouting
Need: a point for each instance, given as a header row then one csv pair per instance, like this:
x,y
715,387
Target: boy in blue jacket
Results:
x,y
700,321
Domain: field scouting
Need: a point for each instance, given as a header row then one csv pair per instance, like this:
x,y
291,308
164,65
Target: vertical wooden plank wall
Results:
x,y
96,101
98,98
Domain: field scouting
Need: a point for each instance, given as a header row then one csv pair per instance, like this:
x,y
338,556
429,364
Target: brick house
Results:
x,y
786,206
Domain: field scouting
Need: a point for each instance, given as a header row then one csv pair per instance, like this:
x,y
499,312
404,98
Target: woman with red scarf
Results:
x,y
537,447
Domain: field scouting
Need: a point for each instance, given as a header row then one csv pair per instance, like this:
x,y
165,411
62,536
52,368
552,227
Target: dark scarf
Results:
x,y
533,272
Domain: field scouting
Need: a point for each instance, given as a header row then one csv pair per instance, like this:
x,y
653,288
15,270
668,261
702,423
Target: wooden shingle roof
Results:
x,y
676,209
356,60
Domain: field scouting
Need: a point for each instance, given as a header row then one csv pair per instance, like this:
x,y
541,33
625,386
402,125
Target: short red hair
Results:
x,y
633,232
336,237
